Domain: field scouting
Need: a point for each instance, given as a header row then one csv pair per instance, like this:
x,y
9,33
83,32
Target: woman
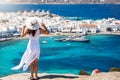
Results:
x,y
31,55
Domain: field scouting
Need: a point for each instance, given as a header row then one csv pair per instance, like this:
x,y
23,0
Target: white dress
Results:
x,y
32,52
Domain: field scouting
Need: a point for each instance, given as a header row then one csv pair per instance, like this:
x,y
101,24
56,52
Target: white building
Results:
x,y
88,28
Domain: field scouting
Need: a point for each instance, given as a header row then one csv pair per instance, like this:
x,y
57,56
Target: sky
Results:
x,y
13,1
5,1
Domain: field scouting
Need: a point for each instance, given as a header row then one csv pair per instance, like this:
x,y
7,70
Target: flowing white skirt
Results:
x,y
32,52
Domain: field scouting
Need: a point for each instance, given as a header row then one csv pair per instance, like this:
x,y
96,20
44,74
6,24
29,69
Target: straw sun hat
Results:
x,y
32,23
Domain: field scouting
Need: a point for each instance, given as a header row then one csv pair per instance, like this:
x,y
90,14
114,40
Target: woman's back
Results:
x,y
35,36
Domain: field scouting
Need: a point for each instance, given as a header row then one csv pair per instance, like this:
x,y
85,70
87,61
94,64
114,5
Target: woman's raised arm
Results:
x,y
24,31
45,30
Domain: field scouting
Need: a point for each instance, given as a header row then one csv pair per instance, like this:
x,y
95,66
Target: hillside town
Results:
x,y
11,24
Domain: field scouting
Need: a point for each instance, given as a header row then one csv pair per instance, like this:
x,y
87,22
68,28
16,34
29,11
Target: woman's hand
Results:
x,y
42,24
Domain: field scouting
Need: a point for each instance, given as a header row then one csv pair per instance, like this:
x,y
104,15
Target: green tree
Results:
x,y
109,29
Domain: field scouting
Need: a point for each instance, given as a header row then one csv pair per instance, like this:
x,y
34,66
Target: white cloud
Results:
x,y
5,1
8,0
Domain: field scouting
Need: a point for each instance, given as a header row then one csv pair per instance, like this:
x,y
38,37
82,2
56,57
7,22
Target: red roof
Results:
x,y
89,25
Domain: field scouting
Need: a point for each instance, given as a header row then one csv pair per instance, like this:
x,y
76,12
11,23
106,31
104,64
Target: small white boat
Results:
x,y
62,39
5,39
79,39
16,34
44,42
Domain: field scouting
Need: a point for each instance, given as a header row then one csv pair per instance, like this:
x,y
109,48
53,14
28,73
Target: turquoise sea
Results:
x,y
102,52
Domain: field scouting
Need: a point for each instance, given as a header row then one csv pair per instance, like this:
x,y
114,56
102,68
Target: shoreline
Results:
x,y
52,76
63,34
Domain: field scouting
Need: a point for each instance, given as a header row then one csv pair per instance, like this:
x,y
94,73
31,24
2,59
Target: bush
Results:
x,y
83,72
114,69
109,29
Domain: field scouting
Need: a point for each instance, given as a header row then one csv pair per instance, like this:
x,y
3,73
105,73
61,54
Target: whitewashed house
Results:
x,y
89,28
103,27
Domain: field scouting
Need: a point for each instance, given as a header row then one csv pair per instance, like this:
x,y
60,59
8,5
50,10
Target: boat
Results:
x,y
16,34
80,39
44,42
5,39
62,39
